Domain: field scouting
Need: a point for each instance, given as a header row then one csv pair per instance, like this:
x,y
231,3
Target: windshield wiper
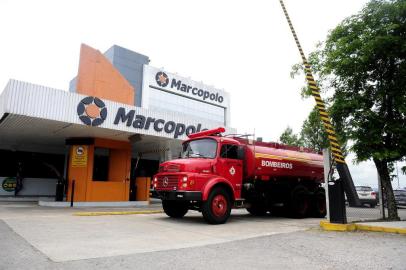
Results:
x,y
197,155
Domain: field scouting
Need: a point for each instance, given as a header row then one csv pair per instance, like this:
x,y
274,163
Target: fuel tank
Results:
x,y
267,161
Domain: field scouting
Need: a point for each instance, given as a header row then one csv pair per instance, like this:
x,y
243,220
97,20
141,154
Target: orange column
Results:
x,y
80,169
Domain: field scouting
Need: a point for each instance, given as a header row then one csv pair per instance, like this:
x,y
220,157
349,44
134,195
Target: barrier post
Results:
x,y
72,193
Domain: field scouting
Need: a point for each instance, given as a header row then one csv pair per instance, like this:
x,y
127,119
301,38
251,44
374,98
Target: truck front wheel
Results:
x,y
217,208
175,209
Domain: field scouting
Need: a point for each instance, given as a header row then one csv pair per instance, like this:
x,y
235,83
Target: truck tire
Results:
x,y
299,202
217,208
319,208
175,209
257,209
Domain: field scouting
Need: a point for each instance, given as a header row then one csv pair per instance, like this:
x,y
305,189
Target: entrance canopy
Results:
x,y
38,118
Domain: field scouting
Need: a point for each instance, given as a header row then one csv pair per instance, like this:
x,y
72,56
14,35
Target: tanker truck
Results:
x,y
216,173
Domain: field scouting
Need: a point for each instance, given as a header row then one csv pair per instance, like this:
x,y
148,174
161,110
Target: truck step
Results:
x,y
239,203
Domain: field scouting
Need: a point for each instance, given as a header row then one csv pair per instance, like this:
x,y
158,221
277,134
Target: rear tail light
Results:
x,y
373,194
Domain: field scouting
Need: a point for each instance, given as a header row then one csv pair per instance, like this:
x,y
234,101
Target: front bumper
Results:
x,y
178,195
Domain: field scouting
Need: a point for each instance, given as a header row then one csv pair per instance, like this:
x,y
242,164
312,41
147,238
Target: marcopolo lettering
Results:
x,y
141,122
204,94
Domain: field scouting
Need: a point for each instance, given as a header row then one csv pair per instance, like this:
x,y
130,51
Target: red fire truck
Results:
x,y
216,173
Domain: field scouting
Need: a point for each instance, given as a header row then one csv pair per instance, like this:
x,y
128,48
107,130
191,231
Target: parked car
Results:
x,y
400,197
367,196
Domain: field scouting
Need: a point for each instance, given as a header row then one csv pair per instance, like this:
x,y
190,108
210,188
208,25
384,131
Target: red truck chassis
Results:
x,y
217,173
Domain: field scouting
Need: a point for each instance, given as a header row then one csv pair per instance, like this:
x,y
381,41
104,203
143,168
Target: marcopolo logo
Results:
x,y
139,121
162,80
92,111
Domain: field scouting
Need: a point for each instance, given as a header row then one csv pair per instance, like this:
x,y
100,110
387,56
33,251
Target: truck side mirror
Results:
x,y
240,152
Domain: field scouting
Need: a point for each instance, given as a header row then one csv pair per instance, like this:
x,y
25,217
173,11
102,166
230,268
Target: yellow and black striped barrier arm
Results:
x,y
338,157
331,134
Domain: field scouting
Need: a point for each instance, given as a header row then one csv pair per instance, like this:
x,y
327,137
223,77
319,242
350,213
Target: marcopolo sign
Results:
x,y
138,121
158,79
92,111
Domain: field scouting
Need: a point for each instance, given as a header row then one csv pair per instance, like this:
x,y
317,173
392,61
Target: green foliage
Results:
x,y
289,138
365,57
313,134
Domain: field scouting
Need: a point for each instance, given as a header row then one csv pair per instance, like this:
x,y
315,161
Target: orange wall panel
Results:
x,y
118,165
143,186
107,191
80,175
98,77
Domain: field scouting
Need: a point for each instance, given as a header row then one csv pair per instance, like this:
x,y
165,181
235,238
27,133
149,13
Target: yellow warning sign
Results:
x,y
79,156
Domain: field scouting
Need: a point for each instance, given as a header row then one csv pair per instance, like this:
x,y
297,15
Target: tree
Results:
x,y
289,138
313,134
364,61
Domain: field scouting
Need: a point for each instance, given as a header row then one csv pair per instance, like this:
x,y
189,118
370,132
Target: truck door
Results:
x,y
230,165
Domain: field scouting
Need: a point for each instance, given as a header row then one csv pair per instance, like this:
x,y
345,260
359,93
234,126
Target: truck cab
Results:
x,y
207,177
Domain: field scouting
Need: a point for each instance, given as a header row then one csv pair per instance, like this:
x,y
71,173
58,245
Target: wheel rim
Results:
x,y
219,205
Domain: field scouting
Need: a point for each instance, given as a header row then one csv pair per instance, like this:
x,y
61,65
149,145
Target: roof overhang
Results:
x,y
34,115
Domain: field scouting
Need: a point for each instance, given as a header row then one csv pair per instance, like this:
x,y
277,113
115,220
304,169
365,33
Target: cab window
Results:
x,y
229,151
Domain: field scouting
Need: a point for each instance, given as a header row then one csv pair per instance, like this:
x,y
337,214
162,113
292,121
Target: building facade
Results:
x,y
107,134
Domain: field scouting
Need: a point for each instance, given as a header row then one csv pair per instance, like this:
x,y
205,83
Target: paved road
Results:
x,y
44,238
311,249
365,213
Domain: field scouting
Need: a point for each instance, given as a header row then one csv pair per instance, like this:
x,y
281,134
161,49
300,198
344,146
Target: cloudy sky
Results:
x,y
244,47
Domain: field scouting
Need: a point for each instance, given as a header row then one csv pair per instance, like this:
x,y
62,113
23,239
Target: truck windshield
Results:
x,y
203,148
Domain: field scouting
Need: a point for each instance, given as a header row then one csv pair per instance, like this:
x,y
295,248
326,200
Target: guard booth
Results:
x,y
100,169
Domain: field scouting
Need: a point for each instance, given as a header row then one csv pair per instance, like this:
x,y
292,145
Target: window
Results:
x,y
201,148
31,164
229,151
101,164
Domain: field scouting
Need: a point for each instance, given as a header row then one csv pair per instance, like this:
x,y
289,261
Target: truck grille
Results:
x,y
169,182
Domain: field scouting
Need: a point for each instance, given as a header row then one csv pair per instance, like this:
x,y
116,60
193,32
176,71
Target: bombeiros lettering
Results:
x,y
276,164
139,121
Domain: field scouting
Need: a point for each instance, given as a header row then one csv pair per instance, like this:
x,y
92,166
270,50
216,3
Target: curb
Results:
x,y
370,228
89,214
327,226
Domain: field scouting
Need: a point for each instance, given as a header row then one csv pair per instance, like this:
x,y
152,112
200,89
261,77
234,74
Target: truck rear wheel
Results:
x,y
299,202
175,209
319,209
217,208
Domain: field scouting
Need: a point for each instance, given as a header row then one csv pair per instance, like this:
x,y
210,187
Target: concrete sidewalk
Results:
x,y
62,235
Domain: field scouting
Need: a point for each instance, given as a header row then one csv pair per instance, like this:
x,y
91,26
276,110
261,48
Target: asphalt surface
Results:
x,y
33,237
311,249
365,213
